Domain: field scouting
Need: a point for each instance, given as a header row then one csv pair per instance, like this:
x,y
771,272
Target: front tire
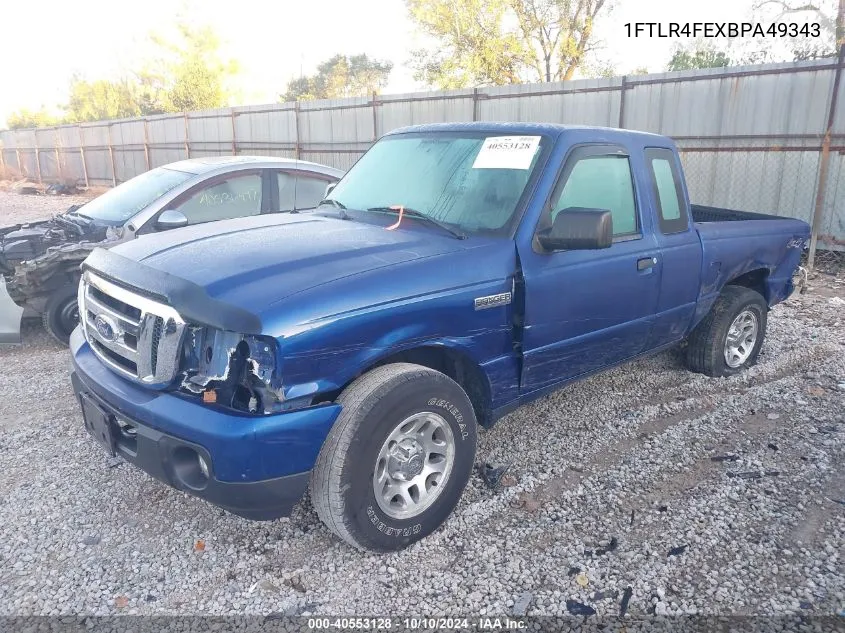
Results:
x,y
61,314
729,338
397,459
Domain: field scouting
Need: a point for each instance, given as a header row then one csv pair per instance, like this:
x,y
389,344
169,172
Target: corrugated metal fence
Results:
x,y
768,138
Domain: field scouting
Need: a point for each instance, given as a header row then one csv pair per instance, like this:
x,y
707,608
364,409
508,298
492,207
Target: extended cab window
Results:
x,y
601,182
672,213
231,197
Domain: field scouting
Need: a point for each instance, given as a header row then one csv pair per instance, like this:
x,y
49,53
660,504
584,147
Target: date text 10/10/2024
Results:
x,y
417,623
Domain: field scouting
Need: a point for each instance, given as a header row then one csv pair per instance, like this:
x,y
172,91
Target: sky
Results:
x,y
273,40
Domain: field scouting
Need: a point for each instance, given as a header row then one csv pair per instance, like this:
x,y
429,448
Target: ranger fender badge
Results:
x,y
491,301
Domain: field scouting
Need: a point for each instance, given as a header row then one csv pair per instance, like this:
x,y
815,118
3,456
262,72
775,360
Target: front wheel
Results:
x,y
395,463
61,314
729,338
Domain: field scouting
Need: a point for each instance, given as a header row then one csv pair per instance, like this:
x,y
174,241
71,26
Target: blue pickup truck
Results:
x,y
454,273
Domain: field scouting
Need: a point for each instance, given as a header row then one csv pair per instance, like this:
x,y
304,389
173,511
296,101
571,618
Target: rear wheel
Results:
x,y
730,337
398,458
61,314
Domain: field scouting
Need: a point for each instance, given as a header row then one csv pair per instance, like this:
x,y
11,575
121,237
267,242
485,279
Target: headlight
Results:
x,y
231,369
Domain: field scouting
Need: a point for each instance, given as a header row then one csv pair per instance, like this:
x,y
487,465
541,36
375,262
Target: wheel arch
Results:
x,y
453,362
755,279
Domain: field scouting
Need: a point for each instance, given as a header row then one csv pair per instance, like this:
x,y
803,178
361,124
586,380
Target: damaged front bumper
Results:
x,y
254,466
10,317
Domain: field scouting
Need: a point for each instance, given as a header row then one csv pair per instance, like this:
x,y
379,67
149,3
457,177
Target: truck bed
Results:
x,y
735,244
701,213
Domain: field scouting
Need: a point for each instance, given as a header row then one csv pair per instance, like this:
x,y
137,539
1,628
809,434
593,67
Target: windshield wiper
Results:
x,y
335,203
419,215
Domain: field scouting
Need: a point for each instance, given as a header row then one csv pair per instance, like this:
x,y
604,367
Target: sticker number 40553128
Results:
x,y
506,152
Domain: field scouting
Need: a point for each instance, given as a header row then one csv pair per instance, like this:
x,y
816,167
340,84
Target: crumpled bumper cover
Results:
x,y
260,465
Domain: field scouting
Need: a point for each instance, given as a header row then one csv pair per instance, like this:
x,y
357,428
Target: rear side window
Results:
x,y
299,191
309,191
672,213
601,182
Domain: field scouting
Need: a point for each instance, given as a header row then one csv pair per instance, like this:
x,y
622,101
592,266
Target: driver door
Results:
x,y
587,309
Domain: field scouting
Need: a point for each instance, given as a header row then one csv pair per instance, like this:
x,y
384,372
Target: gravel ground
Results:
x,y
17,208
708,496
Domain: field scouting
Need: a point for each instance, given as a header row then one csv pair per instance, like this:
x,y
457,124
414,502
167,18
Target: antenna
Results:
x,y
298,144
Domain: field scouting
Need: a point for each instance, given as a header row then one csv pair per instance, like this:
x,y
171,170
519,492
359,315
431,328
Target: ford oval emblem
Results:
x,y
106,328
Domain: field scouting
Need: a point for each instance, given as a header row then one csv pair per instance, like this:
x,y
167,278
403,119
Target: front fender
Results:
x,y
309,372
330,335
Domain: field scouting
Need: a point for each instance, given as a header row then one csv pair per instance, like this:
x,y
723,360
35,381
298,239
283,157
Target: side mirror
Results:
x,y
329,188
578,228
171,219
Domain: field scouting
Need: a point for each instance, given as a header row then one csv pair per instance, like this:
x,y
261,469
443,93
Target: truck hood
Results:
x,y
255,262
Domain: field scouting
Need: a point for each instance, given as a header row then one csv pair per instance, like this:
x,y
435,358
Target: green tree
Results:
x,y
187,72
692,58
474,48
102,99
557,34
299,89
829,14
26,118
184,72
495,42
341,76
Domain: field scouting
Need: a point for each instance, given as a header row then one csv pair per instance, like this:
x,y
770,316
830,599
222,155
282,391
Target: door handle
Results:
x,y
645,263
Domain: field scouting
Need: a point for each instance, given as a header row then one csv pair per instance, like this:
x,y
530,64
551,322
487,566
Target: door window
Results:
x,y
601,182
298,191
232,197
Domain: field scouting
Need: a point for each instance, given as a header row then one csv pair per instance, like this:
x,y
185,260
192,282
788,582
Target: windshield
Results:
x,y
471,181
121,203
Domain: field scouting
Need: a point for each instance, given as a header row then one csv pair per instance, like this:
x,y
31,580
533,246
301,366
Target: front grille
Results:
x,y
114,357
135,336
123,308
157,327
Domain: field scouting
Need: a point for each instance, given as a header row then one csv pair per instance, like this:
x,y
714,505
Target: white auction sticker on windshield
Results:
x,y
507,152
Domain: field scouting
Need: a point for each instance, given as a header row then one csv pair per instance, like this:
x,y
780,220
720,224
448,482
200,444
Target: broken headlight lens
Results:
x,y
239,371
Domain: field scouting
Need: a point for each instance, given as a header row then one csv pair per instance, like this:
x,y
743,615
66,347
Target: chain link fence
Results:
x,y
774,179
764,181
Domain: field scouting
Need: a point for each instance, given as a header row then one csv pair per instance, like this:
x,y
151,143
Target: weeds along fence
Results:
x,y
769,138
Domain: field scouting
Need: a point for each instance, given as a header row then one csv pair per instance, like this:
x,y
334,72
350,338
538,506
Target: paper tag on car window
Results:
x,y
506,152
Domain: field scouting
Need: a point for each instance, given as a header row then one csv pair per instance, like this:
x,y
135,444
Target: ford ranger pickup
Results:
x,y
456,272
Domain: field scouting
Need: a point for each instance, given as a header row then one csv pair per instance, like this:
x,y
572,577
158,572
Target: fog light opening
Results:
x,y
190,468
127,429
